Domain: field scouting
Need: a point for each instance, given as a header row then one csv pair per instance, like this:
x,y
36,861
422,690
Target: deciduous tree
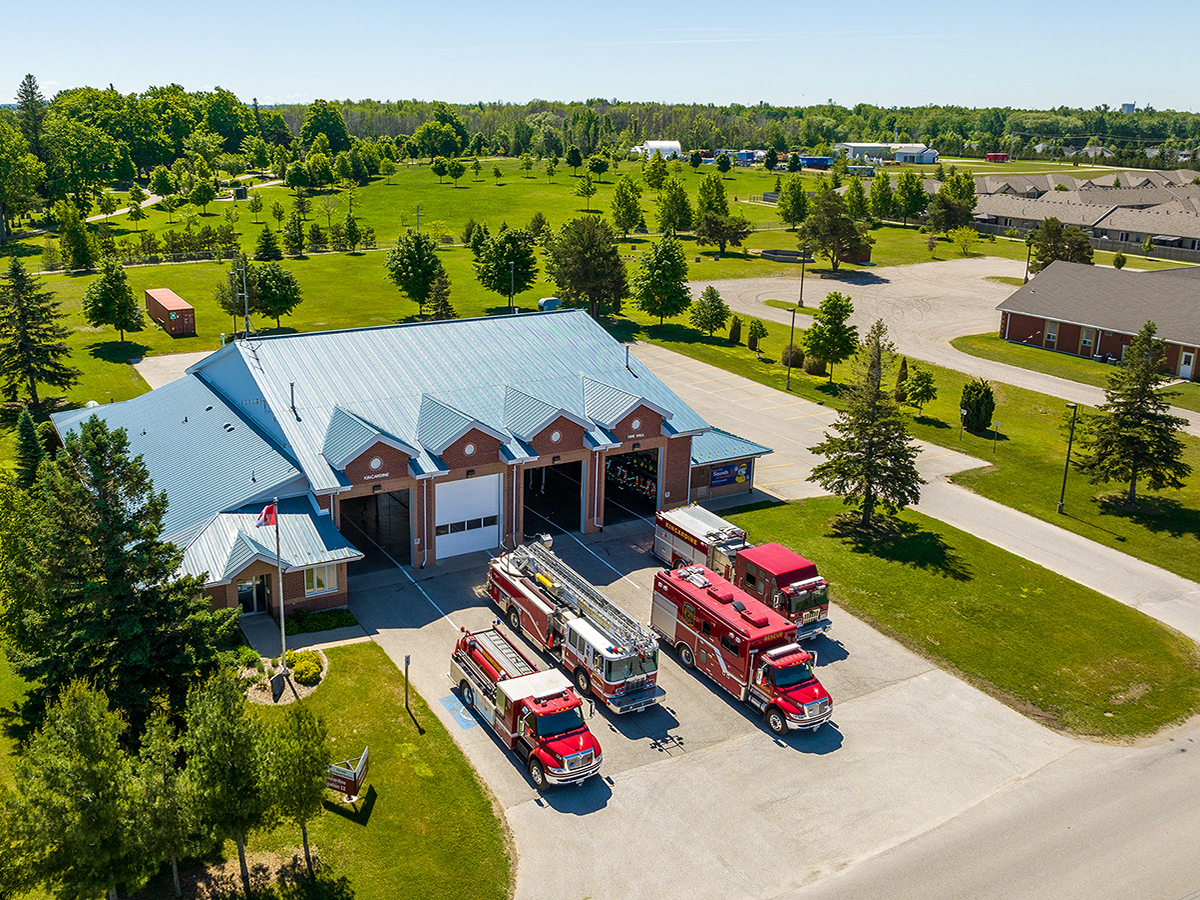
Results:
x,y
278,291
882,200
293,233
724,163
1052,240
911,199
574,159
871,461
413,265
831,338
507,264
455,169
32,336
920,387
856,200
710,312
674,208
792,203
965,237
1135,436
656,172
21,172
110,301
586,188
659,284
583,261
626,209
830,231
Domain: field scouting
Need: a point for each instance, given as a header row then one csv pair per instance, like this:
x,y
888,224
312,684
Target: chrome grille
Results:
x,y
579,760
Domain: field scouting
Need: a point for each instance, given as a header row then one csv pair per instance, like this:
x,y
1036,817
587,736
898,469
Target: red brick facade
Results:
x,y
1065,337
649,426
570,437
487,450
224,596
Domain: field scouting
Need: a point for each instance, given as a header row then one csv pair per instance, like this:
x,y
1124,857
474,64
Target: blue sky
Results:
x,y
1017,53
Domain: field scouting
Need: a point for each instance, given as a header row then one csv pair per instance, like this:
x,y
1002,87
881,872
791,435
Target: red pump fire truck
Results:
x,y
779,577
607,652
747,648
535,713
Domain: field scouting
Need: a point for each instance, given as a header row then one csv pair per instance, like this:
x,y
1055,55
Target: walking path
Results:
x,y
791,425
924,306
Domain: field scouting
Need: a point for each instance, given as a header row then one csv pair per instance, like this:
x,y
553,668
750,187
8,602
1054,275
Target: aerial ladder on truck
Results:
x,y
607,651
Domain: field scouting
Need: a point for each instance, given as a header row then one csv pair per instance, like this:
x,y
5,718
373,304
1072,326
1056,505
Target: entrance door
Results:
x,y
468,515
1186,361
252,595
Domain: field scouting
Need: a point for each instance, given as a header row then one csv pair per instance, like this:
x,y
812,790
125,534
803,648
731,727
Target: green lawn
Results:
x,y
1061,365
1072,658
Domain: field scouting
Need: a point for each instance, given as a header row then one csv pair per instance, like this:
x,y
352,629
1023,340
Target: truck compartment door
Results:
x,y
663,615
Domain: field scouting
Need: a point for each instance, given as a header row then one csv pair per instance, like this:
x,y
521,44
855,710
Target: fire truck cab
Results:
x,y
691,535
788,583
746,647
535,713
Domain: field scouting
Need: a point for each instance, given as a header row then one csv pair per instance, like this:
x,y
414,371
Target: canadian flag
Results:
x,y
266,517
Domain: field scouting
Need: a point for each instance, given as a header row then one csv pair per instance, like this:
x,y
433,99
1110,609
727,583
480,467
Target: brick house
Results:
x,y
419,442
1094,311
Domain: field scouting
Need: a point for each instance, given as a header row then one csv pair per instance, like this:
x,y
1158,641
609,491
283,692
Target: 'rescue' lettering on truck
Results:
x,y
607,652
747,648
779,577
535,713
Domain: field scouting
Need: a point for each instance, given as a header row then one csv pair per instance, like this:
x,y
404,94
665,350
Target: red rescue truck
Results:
x,y
535,713
747,648
779,577
607,652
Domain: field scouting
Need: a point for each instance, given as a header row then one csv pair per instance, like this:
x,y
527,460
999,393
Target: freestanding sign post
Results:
x,y
348,777
406,658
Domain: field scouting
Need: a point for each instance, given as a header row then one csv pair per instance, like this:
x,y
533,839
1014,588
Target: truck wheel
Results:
x,y
685,655
776,722
514,619
536,773
678,563
468,695
583,682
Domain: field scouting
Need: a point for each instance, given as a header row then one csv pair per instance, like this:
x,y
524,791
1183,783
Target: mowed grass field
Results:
x,y
1113,672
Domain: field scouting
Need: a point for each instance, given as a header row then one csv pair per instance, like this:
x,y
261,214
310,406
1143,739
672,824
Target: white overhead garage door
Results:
x,y
468,515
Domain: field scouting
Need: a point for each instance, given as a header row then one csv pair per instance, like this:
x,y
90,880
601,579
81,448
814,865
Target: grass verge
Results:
x,y
1058,652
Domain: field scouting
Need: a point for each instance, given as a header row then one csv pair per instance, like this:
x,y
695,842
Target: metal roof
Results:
x,y
348,436
231,541
717,446
197,448
423,382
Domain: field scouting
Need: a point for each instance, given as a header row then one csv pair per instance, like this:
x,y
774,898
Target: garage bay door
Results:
x,y
468,515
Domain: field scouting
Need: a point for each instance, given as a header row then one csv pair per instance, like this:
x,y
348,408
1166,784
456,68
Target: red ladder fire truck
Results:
x,y
747,648
535,713
779,577
607,652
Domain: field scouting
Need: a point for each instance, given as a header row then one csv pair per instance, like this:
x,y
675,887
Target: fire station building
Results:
x,y
419,441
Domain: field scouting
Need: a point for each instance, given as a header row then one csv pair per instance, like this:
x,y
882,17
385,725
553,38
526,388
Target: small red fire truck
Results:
x,y
535,713
747,648
607,652
779,577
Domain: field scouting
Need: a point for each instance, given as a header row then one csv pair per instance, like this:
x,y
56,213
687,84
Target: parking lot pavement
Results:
x,y
692,794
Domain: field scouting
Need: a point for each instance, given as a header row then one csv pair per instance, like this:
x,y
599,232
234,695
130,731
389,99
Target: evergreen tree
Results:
x,y
267,249
979,402
830,338
710,312
1135,436
298,758
90,590
439,297
871,462
225,756
695,160
166,806
757,332
32,351
351,233
574,159
660,283
901,393
78,247
78,800
584,262
413,265
31,116
1052,240
626,209
293,234
29,451
735,330
110,301
771,160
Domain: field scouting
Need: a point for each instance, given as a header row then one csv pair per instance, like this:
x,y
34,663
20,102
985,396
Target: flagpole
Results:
x,y
279,569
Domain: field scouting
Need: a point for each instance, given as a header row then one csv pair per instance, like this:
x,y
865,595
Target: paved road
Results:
x,y
790,426
924,306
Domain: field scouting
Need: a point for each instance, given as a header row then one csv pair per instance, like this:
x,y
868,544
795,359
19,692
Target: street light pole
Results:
x,y
1028,253
791,345
1074,407
512,268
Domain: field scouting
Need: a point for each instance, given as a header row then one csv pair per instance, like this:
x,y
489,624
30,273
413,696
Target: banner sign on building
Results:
x,y
731,473
348,777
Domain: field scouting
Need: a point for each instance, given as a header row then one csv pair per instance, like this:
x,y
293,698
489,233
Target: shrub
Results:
x,y
758,331
307,667
1119,260
329,619
979,403
247,656
793,356
814,366
735,330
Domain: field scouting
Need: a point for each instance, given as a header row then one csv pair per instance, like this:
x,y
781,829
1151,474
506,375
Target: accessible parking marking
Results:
x,y
454,706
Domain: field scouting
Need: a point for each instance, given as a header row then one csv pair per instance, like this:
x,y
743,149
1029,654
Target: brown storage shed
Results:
x,y
171,311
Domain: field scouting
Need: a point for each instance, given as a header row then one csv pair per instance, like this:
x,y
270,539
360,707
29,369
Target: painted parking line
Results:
x,y
454,706
809,416
703,380
782,406
789,481
759,397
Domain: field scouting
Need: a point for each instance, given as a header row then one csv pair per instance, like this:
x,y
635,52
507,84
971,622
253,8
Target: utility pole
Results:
x,y
512,269
1074,408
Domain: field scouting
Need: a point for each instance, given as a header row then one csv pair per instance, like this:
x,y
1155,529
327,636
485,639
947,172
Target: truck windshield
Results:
x,y
790,676
559,722
618,670
808,599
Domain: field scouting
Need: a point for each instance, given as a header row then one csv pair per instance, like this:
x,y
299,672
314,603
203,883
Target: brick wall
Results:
x,y
487,450
393,464
225,595
1023,329
649,425
677,465
570,438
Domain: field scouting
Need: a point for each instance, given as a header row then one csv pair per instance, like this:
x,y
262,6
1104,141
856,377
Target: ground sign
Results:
x,y
348,777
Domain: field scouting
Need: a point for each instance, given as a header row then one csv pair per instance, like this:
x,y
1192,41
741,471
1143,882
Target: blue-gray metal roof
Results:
x,y
196,447
525,416
231,541
348,436
717,446
384,376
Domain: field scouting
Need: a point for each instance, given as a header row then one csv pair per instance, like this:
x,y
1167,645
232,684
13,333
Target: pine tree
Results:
x,y
32,351
871,462
979,402
439,297
29,451
293,233
735,330
901,380
110,301
1135,436
268,247
31,115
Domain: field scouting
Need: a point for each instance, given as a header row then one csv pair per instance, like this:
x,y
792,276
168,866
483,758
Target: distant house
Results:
x,y
905,153
918,154
1094,311
668,149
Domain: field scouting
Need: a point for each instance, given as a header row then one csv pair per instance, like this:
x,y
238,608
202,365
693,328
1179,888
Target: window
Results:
x,y
705,628
729,645
556,436
1085,343
321,580
469,449
635,424
376,463
751,581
